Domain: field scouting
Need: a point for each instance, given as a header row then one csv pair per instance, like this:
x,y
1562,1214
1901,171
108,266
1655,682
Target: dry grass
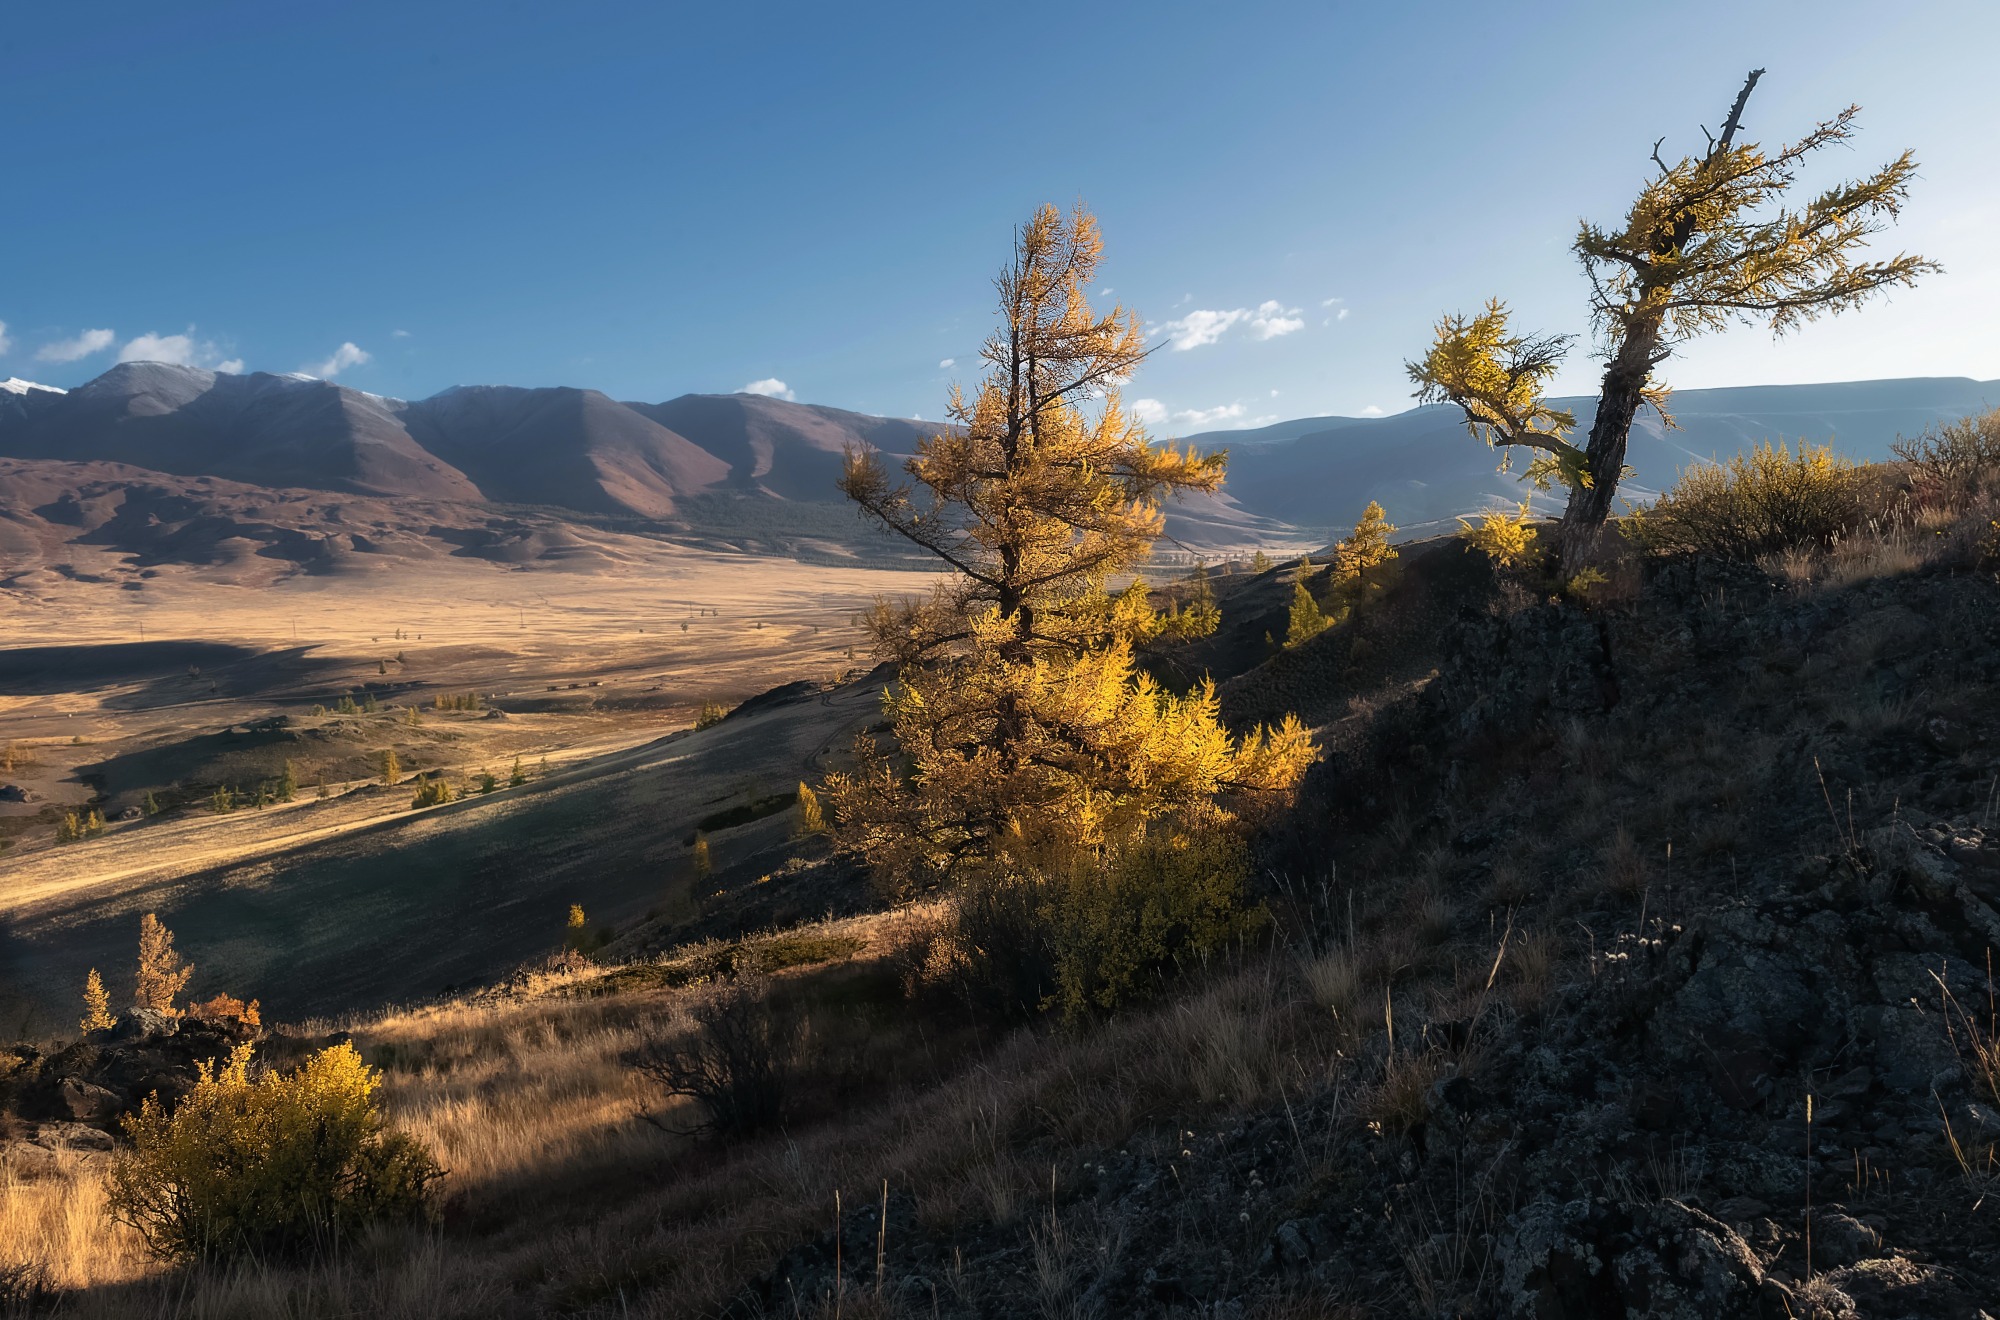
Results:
x,y
560,1197
58,1225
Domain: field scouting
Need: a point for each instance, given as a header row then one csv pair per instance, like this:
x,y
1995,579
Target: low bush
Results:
x,y
1768,501
262,1164
1950,465
734,1058
1096,934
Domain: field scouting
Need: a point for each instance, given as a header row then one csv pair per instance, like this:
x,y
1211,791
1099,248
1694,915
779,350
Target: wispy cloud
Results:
x,y
1230,416
1273,318
947,364
1228,412
1200,326
770,387
182,350
5,343
347,355
71,350
399,334
1205,325
1372,410
230,366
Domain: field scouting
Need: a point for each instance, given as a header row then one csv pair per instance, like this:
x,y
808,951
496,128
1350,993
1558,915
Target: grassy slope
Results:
x,y
1488,972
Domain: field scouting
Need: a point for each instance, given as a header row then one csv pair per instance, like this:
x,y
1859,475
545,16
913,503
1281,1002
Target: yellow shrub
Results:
x,y
267,1164
1505,537
1771,499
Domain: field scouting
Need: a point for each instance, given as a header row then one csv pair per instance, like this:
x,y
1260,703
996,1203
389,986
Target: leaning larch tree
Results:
x,y
1025,732
1708,242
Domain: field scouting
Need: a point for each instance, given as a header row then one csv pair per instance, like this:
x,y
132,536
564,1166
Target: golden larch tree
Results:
x,y
1022,722
161,973
1367,547
1708,242
96,1004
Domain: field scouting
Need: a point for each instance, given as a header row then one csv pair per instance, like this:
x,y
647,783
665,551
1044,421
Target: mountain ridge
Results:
x,y
760,473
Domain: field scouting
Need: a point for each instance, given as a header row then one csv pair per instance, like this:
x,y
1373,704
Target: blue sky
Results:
x,y
651,199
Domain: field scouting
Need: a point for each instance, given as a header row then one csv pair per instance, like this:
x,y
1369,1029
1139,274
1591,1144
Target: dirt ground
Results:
x,y
333,903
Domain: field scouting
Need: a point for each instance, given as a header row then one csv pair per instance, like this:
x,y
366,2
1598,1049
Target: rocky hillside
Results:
x,y
1628,955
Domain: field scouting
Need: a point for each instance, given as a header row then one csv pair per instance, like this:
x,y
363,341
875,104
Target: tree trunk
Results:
x,y
1618,403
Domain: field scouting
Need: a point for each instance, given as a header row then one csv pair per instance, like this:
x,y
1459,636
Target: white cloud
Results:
x,y
5,343
1150,411
69,350
399,334
1228,412
1372,410
1274,394
1200,326
347,355
947,364
178,350
1270,319
230,366
770,387
1273,318
1341,315
1331,302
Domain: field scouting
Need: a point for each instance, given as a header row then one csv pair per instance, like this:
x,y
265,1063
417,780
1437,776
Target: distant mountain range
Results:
x,y
157,459
1320,472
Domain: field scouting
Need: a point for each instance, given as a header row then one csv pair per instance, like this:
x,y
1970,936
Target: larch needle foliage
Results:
x,y
1709,242
1026,733
161,974
264,1163
1506,538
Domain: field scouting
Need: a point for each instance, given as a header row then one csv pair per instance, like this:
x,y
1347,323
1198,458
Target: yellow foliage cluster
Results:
x,y
96,1005
268,1163
1505,537
1367,547
431,793
812,820
161,973
1098,751
1497,378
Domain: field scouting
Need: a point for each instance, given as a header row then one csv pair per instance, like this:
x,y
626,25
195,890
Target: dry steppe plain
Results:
x,y
115,683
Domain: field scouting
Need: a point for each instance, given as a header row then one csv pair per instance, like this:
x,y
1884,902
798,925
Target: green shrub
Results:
x,y
1170,899
270,1164
1768,500
1098,934
431,793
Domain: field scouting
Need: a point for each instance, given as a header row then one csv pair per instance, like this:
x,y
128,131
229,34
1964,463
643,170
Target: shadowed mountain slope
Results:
x,y
1424,469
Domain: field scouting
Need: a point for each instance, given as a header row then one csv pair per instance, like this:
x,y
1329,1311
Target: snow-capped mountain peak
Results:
x,y
15,385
